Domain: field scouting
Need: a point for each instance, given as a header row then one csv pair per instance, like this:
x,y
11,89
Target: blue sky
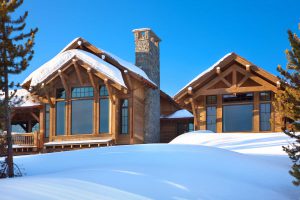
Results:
x,y
195,34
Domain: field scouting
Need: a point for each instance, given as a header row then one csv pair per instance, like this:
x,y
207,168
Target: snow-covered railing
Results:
x,y
25,139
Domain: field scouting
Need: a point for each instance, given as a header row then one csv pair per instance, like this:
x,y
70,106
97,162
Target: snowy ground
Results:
x,y
156,171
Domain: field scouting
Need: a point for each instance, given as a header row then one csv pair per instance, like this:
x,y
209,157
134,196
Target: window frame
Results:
x,y
121,117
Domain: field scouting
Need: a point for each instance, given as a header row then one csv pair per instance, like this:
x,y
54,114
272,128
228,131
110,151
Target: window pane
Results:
x,y
211,99
103,91
238,97
60,118
47,120
237,118
211,118
104,115
124,116
265,96
82,92
82,117
265,116
191,127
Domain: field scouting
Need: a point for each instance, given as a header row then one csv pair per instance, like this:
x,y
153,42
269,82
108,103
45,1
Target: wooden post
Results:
x,y
256,113
194,109
219,114
42,128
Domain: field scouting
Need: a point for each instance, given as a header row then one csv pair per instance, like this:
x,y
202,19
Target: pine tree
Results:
x,y
16,50
288,102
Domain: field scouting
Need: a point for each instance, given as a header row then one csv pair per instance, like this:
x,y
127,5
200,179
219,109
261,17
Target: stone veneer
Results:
x,y
147,58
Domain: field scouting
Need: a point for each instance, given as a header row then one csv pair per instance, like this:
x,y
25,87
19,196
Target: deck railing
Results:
x,y
25,139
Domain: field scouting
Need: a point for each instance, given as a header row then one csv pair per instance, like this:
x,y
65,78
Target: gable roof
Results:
x,y
100,60
118,62
223,62
62,58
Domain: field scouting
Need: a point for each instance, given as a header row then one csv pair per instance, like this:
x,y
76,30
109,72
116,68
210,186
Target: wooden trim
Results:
x,y
256,113
35,116
109,89
219,114
79,76
91,78
63,80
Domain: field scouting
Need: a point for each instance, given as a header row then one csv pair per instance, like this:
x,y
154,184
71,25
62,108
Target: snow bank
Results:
x,y
156,171
253,143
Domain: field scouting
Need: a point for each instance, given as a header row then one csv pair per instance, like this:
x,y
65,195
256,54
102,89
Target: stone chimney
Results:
x,y
147,58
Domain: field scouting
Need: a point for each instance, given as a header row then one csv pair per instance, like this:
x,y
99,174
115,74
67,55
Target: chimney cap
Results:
x,y
147,29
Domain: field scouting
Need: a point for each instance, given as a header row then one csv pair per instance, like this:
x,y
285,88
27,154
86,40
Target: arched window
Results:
x,y
104,110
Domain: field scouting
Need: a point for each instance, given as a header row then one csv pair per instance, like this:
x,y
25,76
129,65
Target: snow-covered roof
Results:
x,y
129,66
178,114
204,72
22,98
62,58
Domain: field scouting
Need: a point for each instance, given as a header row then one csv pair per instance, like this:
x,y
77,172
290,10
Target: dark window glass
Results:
x,y
60,93
237,118
239,97
124,116
82,116
211,100
103,91
264,117
104,115
47,120
60,118
265,96
82,92
191,126
211,118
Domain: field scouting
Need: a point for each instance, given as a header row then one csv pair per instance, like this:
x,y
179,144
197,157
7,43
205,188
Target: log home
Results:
x,y
233,95
85,97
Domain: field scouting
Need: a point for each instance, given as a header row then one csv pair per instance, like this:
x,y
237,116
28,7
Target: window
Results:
x,y
265,96
211,99
82,92
264,116
191,126
124,116
104,110
239,97
60,118
60,94
237,118
47,120
82,116
211,118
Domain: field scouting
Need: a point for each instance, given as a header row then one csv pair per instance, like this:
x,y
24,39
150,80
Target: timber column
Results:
x,y
147,58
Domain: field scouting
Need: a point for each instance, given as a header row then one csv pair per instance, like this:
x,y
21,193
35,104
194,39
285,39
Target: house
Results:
x,y
233,95
86,96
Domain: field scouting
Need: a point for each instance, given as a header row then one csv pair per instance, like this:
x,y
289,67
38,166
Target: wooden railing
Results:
x,y
25,139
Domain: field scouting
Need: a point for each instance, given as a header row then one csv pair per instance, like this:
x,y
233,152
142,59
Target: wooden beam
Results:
x,y
47,95
216,80
35,116
79,76
128,80
63,80
243,80
196,124
234,78
91,78
110,93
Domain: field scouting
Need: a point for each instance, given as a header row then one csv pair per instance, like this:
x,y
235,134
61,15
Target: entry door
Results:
x,y
237,118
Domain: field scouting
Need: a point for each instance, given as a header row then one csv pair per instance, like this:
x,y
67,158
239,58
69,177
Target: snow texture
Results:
x,y
204,72
178,114
78,142
250,143
152,171
22,98
39,75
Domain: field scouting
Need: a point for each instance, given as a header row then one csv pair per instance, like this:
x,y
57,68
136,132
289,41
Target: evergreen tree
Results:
x,y
288,102
16,50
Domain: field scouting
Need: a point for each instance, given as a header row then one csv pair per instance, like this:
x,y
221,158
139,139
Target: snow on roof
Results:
x,y
22,98
204,72
59,60
129,66
179,114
